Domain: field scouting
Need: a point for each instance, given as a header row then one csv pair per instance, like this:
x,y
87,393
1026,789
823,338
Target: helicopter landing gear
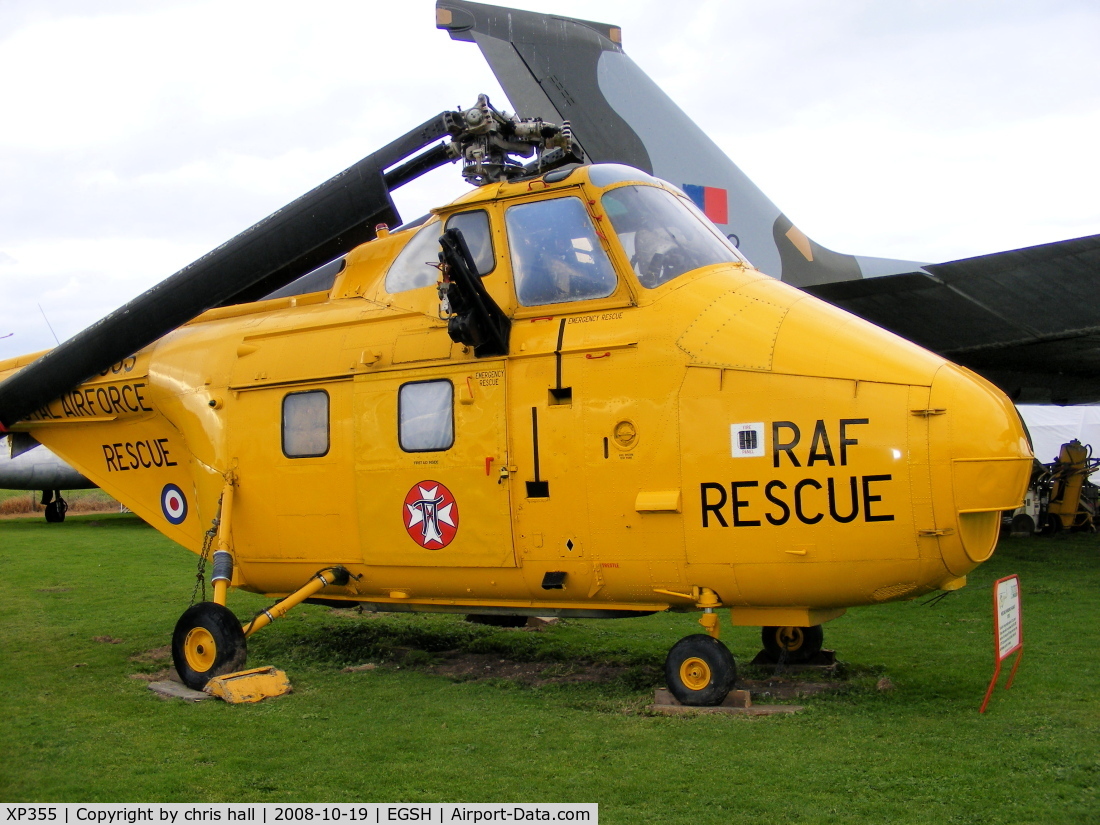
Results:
x,y
55,505
208,641
700,670
795,644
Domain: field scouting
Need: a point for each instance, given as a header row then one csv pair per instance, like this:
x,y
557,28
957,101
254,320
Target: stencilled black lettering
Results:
x,y
785,446
869,499
782,505
714,508
820,449
737,504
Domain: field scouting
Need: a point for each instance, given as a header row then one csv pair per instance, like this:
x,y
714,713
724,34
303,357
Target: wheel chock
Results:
x,y
249,685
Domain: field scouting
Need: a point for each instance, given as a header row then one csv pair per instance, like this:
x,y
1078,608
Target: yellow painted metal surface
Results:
x,y
722,431
245,686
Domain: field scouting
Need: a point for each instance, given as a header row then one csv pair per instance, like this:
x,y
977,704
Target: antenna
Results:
x,y
47,320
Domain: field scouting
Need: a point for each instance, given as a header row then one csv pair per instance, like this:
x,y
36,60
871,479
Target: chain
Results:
x,y
204,557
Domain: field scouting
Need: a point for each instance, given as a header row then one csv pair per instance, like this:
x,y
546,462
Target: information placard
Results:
x,y
1008,630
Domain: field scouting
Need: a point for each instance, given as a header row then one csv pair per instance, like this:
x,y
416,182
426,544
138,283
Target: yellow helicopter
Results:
x,y
566,393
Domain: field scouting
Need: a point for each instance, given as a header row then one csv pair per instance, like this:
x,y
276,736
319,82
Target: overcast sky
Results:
x,y
137,136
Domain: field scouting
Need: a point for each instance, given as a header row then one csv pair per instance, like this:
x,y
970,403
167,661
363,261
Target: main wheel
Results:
x,y
55,510
208,642
800,644
700,670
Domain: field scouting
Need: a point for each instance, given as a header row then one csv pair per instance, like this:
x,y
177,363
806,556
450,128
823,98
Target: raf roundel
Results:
x,y
173,503
431,515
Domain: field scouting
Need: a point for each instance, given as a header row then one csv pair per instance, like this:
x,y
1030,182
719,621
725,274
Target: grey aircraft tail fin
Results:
x,y
559,68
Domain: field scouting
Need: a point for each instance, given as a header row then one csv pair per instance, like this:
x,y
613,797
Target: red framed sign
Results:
x,y
1008,630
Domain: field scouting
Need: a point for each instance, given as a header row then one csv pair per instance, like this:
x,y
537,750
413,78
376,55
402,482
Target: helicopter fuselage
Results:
x,y
663,424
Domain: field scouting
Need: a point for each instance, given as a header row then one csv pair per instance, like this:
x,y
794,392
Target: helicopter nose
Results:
x,y
980,464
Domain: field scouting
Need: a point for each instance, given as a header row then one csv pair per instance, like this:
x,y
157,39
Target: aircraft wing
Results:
x,y
1028,320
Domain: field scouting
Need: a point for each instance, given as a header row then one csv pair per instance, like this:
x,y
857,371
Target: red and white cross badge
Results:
x,y
431,515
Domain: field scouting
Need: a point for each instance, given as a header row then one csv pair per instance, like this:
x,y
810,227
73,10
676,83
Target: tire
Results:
x,y
208,641
1051,525
55,511
798,644
700,671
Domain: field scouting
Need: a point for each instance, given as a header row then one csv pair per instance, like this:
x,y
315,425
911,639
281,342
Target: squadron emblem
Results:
x,y
431,515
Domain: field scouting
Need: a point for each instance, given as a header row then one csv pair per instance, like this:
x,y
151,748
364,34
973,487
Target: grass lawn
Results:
x,y
77,727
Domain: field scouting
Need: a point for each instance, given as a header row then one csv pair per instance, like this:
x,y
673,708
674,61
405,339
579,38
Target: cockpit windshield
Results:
x,y
662,235
556,253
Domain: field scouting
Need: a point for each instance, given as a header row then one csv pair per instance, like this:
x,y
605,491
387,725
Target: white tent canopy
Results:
x,y
1051,427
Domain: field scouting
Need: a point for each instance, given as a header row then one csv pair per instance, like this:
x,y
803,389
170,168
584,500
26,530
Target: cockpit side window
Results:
x,y
662,235
556,254
416,265
474,227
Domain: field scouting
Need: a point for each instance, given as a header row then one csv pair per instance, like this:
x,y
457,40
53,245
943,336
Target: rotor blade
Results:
x,y
420,165
317,227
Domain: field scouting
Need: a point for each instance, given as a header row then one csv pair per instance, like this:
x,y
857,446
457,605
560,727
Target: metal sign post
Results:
x,y
1008,630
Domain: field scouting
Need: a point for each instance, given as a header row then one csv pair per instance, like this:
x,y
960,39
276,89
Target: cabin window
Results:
x,y
664,236
426,418
305,424
416,265
556,254
474,227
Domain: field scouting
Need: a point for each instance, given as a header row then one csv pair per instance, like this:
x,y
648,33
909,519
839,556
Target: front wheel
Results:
x,y
699,670
800,644
208,641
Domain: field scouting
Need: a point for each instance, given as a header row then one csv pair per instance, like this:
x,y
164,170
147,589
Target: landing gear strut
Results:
x,y
209,640
699,670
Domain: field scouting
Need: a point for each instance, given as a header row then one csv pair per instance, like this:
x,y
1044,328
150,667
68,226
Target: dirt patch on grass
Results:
x,y
157,654
158,676
470,667
155,662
